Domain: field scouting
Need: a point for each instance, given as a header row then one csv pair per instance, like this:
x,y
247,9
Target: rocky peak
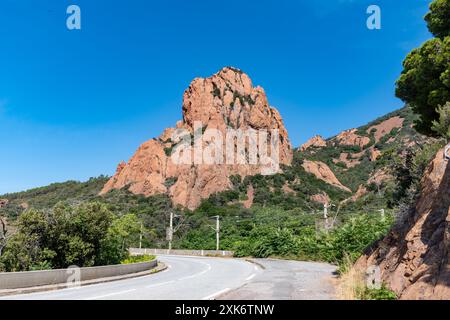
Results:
x,y
316,141
226,100
351,138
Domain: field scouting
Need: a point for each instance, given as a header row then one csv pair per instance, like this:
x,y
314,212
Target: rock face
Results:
x,y
350,138
227,100
379,176
386,127
414,257
324,173
3,203
322,198
344,158
374,154
316,141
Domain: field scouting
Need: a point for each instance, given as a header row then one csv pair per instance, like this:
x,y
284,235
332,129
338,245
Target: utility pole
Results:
x,y
170,231
325,214
382,213
217,232
140,236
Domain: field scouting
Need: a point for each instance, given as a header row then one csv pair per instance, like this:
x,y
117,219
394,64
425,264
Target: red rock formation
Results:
x,y
374,154
386,127
344,158
3,203
414,257
316,141
250,197
225,100
350,138
379,176
322,198
324,173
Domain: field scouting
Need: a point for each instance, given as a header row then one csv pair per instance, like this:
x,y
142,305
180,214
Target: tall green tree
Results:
x,y
425,80
438,18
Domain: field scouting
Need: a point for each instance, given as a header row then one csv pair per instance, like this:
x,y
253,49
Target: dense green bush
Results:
x,y
84,235
376,294
351,238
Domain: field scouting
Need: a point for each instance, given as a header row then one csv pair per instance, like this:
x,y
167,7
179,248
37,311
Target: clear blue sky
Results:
x,y
75,103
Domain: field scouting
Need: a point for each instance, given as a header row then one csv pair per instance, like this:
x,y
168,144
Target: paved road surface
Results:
x,y
197,278
288,280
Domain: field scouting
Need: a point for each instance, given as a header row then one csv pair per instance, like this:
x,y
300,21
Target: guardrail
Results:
x,y
29,279
202,253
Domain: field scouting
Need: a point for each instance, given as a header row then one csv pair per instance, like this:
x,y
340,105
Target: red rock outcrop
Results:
x,y
344,158
226,100
374,154
322,198
316,141
324,173
386,127
250,197
379,176
3,203
350,138
414,257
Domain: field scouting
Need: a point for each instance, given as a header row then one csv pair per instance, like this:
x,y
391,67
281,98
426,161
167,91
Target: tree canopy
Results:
x,y
425,80
85,235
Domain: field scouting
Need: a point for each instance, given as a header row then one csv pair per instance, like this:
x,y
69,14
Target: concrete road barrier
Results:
x,y
18,280
201,253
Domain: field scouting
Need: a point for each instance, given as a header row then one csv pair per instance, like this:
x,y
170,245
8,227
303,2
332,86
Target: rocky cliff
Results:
x,y
414,257
227,100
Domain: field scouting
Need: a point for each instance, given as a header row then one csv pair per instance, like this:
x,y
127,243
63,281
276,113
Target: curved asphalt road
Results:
x,y
204,278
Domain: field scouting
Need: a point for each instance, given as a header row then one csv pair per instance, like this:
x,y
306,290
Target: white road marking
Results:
x,y
256,268
159,284
197,274
251,277
110,294
212,296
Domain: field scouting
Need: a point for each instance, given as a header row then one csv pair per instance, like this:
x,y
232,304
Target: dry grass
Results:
x,y
351,282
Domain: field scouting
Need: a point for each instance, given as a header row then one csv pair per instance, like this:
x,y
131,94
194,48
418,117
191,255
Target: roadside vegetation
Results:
x,y
138,259
85,235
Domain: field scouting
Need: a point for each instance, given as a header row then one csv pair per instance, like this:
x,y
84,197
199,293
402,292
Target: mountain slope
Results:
x,y
414,257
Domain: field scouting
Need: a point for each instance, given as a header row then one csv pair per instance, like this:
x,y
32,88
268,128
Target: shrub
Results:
x,y
376,294
137,259
84,235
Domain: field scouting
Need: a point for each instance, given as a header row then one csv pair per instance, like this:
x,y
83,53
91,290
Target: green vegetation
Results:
x,y
84,235
442,125
376,294
137,259
71,192
307,243
425,79
438,18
